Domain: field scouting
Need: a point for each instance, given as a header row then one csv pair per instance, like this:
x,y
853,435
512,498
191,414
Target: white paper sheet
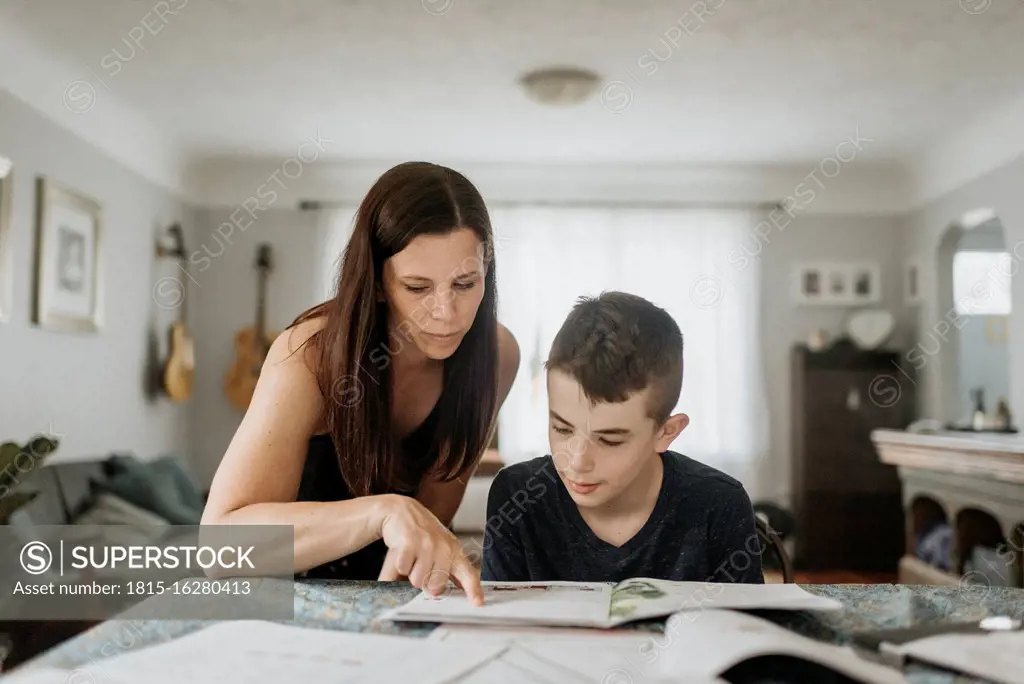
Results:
x,y
567,662
243,652
710,643
600,655
998,657
470,635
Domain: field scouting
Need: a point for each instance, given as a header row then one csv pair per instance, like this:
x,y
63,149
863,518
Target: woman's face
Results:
x,y
433,288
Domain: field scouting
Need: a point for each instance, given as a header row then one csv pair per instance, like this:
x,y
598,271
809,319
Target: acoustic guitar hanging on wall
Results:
x,y
180,367
251,343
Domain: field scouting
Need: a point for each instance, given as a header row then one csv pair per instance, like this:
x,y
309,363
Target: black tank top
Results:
x,y
322,481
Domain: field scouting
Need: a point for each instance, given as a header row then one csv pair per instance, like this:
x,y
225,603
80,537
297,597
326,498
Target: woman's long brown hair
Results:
x,y
411,199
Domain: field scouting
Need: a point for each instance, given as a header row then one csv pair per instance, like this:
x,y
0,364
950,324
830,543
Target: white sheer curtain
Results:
x,y
334,229
548,256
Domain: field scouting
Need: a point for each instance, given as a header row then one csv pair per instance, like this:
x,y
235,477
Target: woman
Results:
x,y
374,407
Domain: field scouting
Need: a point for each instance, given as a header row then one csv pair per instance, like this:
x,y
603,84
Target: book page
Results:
x,y
514,603
711,642
640,598
582,661
249,651
471,635
998,656
43,675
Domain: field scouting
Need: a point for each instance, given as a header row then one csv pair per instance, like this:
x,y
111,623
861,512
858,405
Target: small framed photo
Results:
x,y
839,286
68,281
809,284
865,283
6,258
912,282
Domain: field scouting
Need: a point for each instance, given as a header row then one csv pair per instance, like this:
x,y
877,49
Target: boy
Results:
x,y
613,502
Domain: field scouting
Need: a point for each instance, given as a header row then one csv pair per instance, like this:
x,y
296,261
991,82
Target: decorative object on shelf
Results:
x,y
180,367
923,426
1004,419
912,282
817,340
834,283
6,260
978,416
68,279
1001,421
251,343
19,462
870,328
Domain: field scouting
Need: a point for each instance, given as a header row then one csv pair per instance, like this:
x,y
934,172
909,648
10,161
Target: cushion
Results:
x,y
160,486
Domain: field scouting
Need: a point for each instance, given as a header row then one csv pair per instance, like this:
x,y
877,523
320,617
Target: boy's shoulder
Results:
x,y
689,473
522,473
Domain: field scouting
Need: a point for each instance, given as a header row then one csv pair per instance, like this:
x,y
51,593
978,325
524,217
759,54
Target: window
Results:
x,y
981,283
682,260
696,264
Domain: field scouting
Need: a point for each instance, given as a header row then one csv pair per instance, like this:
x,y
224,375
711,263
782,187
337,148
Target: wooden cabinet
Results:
x,y
846,501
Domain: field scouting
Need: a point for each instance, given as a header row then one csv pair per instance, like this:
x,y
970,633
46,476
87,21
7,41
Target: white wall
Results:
x,y
225,294
86,388
814,238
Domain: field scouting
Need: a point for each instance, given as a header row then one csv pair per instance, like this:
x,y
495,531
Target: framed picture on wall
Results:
x,y
6,258
865,283
837,283
808,284
68,278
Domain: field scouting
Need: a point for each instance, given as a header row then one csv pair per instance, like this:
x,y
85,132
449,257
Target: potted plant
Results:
x,y
17,463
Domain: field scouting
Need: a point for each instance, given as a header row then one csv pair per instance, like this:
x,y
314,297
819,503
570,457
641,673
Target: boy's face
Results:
x,y
601,450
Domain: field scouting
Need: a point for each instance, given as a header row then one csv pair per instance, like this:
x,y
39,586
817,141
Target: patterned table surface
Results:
x,y
354,606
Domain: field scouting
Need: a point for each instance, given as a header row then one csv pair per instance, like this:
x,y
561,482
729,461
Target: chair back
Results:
x,y
770,541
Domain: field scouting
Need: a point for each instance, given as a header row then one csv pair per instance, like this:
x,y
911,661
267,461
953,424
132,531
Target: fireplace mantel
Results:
x,y
965,475
995,456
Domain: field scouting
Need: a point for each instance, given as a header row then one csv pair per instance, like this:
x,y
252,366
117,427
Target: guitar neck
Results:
x,y
183,309
261,305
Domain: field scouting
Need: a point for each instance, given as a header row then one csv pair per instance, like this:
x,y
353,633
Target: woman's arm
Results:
x,y
258,479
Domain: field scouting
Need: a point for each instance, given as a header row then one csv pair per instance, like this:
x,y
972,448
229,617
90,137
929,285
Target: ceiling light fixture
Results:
x,y
560,87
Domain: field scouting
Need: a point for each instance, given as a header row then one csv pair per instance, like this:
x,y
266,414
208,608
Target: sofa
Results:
x,y
143,499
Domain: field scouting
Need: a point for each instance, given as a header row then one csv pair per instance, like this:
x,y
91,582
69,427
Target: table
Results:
x,y
354,606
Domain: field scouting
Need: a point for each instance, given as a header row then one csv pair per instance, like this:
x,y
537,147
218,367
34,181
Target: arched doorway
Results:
x,y
972,339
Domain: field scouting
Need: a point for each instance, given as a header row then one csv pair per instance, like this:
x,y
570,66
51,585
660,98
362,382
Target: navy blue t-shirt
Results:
x,y
701,529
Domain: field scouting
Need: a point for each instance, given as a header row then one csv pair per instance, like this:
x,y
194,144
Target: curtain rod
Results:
x,y
313,205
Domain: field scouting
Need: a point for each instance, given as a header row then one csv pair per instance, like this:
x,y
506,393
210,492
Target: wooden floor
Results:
x,y
833,577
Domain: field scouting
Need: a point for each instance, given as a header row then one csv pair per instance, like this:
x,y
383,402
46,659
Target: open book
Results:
x,y
584,604
721,640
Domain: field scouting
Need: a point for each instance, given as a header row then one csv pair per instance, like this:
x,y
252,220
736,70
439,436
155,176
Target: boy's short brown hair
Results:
x,y
618,343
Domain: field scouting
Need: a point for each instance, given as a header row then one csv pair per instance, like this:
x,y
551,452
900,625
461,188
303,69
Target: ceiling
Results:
x,y
754,82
